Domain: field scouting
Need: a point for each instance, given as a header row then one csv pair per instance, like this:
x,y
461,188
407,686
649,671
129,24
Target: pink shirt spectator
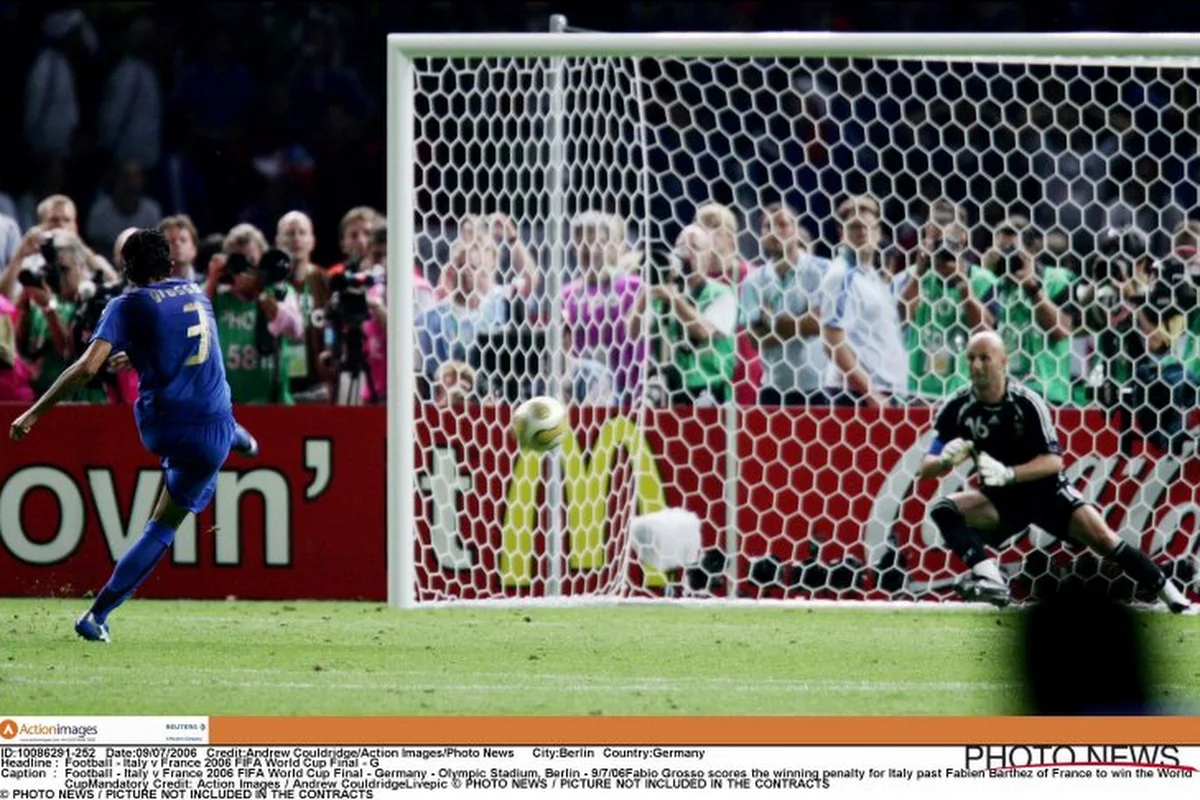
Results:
x,y
15,379
375,346
596,315
288,323
375,349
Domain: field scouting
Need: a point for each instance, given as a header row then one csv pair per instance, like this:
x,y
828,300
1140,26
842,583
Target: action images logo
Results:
x,y
46,732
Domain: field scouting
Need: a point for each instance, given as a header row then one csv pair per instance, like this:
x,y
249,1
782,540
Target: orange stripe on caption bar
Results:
x,y
702,730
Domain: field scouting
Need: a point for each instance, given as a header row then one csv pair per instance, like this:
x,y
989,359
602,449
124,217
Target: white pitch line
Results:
x,y
820,687
501,680
379,621
389,625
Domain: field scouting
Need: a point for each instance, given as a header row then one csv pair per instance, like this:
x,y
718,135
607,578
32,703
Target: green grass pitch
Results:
x,y
348,659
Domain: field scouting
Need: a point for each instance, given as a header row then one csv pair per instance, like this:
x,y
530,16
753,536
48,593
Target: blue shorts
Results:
x,y
191,457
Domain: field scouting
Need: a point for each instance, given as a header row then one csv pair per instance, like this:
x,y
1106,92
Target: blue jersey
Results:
x,y
169,332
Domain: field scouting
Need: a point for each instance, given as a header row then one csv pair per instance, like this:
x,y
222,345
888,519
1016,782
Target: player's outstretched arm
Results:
x,y
71,380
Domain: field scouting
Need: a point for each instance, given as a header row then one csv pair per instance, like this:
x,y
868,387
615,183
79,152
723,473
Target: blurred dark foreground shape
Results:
x,y
1082,653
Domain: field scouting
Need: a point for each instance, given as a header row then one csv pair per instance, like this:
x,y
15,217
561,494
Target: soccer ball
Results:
x,y
540,424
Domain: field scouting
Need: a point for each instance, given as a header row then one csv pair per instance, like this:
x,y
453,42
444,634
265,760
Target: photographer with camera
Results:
x,y
294,236
54,213
1163,387
49,304
1026,303
1112,284
940,304
356,323
693,322
258,316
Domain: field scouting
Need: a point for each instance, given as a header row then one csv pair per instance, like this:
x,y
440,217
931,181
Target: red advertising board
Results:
x,y
829,494
305,519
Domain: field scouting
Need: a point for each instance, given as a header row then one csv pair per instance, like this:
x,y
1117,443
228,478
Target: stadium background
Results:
x,y
278,146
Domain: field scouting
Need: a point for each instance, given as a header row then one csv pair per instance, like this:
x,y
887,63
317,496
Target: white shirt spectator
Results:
x,y
105,220
857,300
7,207
10,238
130,120
449,330
800,363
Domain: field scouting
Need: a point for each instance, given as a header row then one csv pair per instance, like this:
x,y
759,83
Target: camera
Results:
x,y
665,265
1117,254
93,299
49,273
1161,392
1171,294
945,250
1011,260
348,295
274,268
1099,269
344,317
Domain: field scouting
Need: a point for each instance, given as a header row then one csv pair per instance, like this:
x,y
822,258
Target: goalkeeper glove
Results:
x,y
993,473
956,452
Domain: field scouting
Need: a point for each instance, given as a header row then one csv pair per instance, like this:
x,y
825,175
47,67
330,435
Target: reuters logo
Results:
x,y
8,729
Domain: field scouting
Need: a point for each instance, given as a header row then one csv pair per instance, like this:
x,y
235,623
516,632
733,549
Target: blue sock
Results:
x,y
133,568
241,438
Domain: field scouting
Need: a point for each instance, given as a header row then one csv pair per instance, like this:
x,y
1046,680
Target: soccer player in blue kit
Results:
x,y
165,329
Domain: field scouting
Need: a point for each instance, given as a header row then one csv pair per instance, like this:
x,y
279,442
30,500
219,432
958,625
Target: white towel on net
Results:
x,y
667,539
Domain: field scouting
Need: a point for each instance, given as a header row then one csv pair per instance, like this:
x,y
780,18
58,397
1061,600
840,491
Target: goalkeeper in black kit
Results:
x,y
1006,428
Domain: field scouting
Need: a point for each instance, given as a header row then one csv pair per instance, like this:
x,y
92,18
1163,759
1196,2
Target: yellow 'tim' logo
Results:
x,y
588,483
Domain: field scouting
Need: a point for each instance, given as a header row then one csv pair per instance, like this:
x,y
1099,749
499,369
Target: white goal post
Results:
x,y
509,155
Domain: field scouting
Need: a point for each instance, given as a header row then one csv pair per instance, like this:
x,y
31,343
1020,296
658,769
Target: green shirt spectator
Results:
x,y
245,306
1027,308
704,364
253,377
940,321
693,325
42,345
44,332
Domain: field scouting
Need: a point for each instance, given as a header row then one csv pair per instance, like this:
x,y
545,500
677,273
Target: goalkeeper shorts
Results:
x,y
1048,507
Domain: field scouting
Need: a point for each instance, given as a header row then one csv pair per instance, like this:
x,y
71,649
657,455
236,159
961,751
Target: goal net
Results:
x,y
667,232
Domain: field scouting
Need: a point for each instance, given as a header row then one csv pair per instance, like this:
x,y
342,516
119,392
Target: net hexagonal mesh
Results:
x,y
666,244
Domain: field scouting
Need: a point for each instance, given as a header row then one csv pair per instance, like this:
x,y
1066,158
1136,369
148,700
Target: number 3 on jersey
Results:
x,y
200,330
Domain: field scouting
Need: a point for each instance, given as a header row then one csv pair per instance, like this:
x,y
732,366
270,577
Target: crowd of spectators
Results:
x,y
848,287
278,320
856,321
